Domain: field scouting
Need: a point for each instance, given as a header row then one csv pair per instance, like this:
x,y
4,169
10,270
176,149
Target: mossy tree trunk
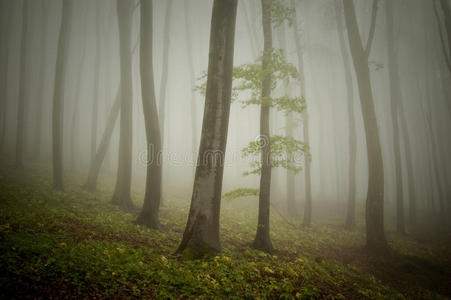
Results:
x,y
201,236
262,239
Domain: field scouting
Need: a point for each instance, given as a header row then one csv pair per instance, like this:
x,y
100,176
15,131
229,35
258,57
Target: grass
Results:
x,y
75,244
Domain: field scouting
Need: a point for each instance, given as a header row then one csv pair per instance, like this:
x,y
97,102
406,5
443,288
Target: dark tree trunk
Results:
x,y
350,211
23,87
375,235
189,52
58,95
396,96
6,24
42,81
305,125
149,215
94,170
201,236
121,195
262,239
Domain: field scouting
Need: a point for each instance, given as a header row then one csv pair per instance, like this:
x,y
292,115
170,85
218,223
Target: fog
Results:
x,y
92,70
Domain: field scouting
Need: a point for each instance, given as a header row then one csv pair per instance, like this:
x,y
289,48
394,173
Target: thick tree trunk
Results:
x,y
42,80
350,211
149,215
375,235
58,95
23,86
189,52
94,170
201,236
121,196
307,219
396,96
262,239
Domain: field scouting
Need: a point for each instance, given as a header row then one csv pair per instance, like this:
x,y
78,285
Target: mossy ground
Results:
x,y
75,244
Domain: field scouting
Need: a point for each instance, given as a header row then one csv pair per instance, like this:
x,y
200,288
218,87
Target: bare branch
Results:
x,y
372,28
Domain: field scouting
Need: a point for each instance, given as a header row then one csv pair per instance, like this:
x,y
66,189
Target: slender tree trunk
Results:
x,y
23,86
42,80
58,95
201,236
262,239
6,24
395,95
164,74
375,235
121,195
305,125
149,215
94,170
192,78
350,211
95,98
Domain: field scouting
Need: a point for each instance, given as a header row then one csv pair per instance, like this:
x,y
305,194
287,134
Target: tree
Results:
x,y
6,24
23,86
189,52
94,170
58,94
375,235
121,194
42,80
446,9
307,168
350,211
396,96
201,236
149,215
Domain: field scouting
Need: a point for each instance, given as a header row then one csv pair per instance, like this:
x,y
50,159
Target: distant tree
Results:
x,y
95,94
58,95
350,211
305,125
23,85
446,9
189,52
375,235
149,215
396,96
121,196
94,170
201,236
4,56
37,135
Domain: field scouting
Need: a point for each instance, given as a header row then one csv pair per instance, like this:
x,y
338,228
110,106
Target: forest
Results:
x,y
225,149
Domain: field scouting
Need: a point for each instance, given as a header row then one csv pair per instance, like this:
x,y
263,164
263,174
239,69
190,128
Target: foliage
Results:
x,y
76,245
240,193
281,12
286,152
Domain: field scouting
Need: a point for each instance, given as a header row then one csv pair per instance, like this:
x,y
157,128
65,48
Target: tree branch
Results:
x,y
442,40
372,28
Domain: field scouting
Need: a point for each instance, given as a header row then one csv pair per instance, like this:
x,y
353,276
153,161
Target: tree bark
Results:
x,y
350,211
262,239
94,170
201,236
307,218
121,196
149,215
23,86
375,235
58,95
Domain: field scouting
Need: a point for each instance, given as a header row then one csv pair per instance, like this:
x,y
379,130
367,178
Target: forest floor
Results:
x,y
74,244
